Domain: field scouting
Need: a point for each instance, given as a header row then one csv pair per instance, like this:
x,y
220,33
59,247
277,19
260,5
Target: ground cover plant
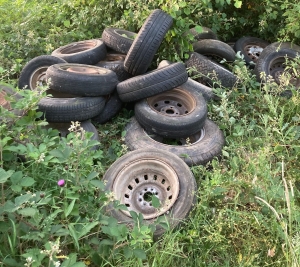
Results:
x,y
52,197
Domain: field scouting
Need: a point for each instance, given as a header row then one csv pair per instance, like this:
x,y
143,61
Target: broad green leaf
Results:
x,y
4,175
198,29
92,175
74,235
238,4
69,209
16,177
27,181
155,201
86,229
97,183
139,253
67,23
16,188
22,199
27,212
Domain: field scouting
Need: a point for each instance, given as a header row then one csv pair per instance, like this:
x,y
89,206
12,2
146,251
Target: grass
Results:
x,y
248,208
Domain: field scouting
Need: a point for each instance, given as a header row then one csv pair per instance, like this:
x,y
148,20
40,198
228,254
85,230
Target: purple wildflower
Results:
x,y
61,182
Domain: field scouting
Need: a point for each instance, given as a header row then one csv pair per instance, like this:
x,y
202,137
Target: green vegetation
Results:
x,y
248,209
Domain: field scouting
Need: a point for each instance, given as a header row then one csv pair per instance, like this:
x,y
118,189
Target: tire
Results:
x,y
152,83
34,72
81,80
250,48
273,64
274,47
206,91
118,39
83,52
112,107
206,33
202,147
147,42
147,172
63,128
206,68
214,49
115,62
70,109
176,113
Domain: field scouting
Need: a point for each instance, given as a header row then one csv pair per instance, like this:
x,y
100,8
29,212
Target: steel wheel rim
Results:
x,y
277,68
173,103
78,47
38,77
253,51
139,180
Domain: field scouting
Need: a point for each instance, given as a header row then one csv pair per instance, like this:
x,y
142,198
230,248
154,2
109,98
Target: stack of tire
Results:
x,y
170,121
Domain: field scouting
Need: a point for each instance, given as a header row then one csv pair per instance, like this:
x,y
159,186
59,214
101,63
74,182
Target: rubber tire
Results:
x,y
206,33
274,47
87,126
187,184
115,62
81,83
214,48
198,153
114,38
147,42
205,67
152,83
241,43
172,126
70,109
32,67
268,61
206,91
112,107
83,52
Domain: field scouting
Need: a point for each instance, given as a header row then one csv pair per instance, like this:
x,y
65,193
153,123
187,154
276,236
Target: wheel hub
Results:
x,y
141,180
276,70
38,78
176,102
85,70
78,47
253,51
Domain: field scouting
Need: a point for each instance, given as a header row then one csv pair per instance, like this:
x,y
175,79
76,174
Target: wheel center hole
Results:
x,y
170,111
148,196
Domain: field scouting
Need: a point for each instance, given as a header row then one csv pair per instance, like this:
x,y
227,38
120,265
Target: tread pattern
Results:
x,y
207,67
81,84
114,40
147,42
152,83
198,153
71,109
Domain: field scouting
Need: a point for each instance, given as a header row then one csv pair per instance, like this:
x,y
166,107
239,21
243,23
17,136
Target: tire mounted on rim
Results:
x,y
139,175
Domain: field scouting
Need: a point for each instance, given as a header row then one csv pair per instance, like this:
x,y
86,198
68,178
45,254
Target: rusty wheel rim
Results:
x,y
141,179
174,103
38,77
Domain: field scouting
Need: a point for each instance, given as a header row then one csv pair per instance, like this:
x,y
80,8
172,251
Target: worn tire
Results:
x,y
206,33
176,113
201,148
152,83
206,91
158,164
115,62
215,49
83,52
81,80
112,107
273,64
70,109
274,47
147,42
35,71
118,39
206,67
250,48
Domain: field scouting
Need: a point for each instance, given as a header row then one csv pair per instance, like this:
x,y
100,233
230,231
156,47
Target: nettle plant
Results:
x,y
52,197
